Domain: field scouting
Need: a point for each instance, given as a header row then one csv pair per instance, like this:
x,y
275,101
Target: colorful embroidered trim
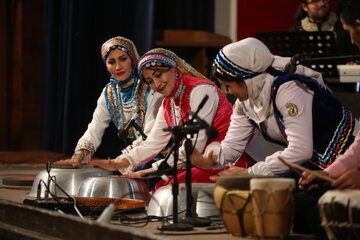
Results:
x,y
338,142
156,57
225,66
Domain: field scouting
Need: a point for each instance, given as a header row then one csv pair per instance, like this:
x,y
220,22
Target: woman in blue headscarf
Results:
x,y
125,97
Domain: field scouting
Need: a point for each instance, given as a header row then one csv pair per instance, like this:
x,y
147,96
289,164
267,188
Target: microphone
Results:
x,y
210,131
201,105
290,67
138,128
191,126
123,133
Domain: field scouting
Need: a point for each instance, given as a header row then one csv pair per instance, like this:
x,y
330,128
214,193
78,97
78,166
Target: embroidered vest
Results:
x,y
221,120
333,124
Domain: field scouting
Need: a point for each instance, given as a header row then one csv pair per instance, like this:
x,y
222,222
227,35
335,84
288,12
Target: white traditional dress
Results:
x,y
119,101
281,106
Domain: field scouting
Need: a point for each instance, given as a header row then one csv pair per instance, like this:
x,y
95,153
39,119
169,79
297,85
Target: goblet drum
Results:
x,y
340,214
273,206
233,198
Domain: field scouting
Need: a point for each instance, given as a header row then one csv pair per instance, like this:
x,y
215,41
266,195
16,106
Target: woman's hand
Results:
x,y
232,170
308,181
78,158
138,174
199,160
350,178
110,164
73,162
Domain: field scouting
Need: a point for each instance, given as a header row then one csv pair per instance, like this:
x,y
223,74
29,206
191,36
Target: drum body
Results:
x,y
273,203
233,199
340,214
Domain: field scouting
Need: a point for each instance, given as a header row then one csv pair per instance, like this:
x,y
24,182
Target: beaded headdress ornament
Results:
x,y
122,44
164,57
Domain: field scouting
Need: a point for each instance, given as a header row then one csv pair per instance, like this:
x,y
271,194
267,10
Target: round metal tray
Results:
x,y
67,178
114,187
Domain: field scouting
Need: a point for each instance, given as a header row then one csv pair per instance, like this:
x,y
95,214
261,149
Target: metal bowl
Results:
x,y
67,178
161,203
114,187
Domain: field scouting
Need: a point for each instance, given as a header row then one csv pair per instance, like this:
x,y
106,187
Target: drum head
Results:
x,y
239,182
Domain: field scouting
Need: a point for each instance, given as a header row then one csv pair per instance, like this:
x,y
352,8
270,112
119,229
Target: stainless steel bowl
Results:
x,y
114,187
161,203
68,178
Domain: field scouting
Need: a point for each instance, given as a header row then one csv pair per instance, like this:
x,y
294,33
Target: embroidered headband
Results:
x,y
156,57
224,68
121,43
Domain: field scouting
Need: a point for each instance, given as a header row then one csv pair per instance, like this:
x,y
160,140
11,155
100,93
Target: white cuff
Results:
x,y
84,158
215,147
128,169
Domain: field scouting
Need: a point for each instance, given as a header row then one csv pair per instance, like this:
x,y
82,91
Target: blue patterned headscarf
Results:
x,y
131,92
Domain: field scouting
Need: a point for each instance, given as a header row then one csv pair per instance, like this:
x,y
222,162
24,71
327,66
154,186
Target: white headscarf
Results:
x,y
253,55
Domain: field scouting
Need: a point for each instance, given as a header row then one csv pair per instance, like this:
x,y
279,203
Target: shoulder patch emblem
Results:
x,y
292,109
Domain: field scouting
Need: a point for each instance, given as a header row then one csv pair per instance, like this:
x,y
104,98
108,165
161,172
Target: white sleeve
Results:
x,y
95,131
155,142
236,139
298,128
154,101
207,113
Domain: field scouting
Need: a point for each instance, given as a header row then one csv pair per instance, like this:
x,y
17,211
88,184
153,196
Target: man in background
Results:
x,y
315,15
350,19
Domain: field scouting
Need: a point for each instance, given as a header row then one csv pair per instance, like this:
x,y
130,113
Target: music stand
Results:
x,y
312,44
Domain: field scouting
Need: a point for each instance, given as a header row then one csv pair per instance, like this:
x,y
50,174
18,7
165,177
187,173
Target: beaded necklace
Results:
x,y
175,109
124,99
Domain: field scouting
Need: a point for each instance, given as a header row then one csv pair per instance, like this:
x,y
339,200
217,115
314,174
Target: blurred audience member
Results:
x,y
315,15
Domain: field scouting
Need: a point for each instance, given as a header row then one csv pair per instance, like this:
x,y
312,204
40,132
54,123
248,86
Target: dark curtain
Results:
x,y
185,14
74,73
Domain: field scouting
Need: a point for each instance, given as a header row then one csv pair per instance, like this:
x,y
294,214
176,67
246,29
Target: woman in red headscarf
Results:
x,y
183,89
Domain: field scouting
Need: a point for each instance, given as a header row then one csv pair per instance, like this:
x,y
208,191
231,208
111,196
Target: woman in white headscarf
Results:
x,y
295,110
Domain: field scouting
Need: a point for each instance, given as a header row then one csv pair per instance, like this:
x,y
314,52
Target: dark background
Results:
x,y
51,71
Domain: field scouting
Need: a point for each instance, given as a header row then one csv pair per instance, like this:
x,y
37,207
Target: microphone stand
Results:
x,y
191,216
179,133
176,226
